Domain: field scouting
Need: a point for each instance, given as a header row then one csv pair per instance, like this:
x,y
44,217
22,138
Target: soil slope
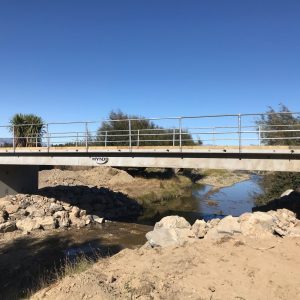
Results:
x,y
204,269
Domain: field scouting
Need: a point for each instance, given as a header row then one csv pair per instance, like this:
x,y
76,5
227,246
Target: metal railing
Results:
x,y
226,130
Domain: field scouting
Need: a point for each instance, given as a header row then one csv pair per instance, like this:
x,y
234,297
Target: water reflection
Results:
x,y
233,200
206,203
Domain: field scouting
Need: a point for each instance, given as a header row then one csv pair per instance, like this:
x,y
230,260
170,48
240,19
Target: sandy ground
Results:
x,y
228,269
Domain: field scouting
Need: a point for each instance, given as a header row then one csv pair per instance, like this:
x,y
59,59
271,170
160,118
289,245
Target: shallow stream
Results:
x,y
206,202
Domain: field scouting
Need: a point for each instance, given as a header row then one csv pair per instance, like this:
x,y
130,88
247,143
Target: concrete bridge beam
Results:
x,y
15,179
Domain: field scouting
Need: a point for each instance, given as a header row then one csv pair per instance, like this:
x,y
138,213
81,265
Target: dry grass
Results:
x,y
67,267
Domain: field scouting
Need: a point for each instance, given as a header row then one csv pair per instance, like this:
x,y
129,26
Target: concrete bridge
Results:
x,y
239,146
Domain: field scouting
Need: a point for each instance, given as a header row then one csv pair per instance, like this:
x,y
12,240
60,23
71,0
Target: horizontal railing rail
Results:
x,y
209,130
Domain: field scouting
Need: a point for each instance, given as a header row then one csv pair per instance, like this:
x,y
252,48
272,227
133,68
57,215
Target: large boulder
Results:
x,y
284,221
257,224
164,237
228,226
170,231
173,222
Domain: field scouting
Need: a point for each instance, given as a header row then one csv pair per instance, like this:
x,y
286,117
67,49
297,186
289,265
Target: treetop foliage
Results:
x,y
284,123
143,132
27,130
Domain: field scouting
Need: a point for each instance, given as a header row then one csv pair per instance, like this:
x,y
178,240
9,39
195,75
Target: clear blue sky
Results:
x,y
79,59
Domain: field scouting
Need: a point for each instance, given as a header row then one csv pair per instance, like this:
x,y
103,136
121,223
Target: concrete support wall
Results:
x,y
18,179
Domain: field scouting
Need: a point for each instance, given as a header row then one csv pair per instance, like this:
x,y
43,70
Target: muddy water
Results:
x,y
26,260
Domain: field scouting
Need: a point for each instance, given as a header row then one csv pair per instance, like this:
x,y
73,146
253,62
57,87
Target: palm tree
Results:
x,y
27,130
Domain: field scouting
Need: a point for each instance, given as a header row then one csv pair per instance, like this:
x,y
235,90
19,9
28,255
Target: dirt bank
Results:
x,y
226,269
30,260
154,187
222,178
147,186
254,256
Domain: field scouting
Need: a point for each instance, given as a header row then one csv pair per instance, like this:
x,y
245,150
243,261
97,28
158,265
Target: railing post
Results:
x,y
138,138
48,137
240,132
76,139
259,135
36,141
129,128
86,137
214,137
105,139
173,137
180,133
14,141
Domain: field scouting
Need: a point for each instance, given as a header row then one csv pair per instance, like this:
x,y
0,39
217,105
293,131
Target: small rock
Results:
x,y
54,207
286,193
200,228
7,227
111,279
82,213
295,231
3,216
214,222
98,219
4,202
11,209
27,224
75,211
47,222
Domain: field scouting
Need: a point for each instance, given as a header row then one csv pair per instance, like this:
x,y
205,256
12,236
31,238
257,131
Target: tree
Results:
x,y
142,132
277,127
274,184
27,129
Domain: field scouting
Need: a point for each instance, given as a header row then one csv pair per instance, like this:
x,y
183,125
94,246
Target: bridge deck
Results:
x,y
265,158
157,149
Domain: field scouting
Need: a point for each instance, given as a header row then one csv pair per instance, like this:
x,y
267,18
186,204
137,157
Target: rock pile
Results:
x,y
63,207
174,230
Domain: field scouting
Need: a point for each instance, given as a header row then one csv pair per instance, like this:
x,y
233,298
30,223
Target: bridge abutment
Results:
x,y
15,179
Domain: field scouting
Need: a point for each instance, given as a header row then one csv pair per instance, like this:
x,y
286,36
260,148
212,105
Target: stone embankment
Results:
x,y
176,231
71,207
